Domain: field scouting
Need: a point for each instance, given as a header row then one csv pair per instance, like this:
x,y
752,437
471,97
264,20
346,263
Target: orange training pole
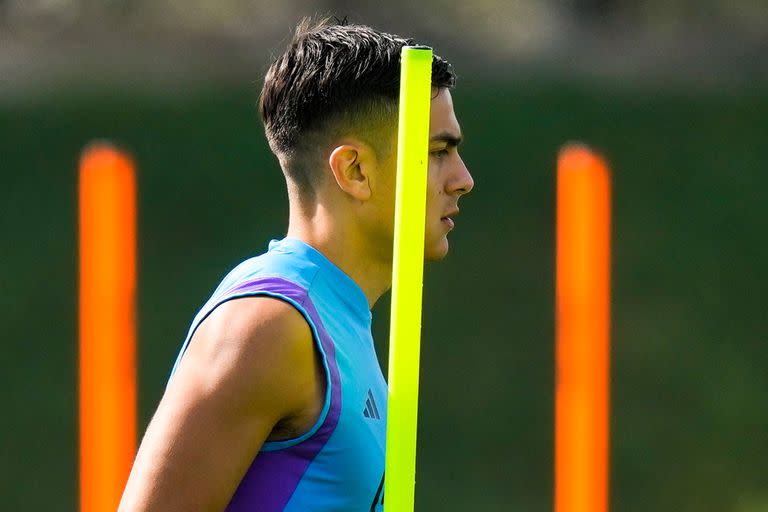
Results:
x,y
107,325
583,315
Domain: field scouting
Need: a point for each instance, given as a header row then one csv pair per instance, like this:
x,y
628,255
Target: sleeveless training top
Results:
x,y
338,465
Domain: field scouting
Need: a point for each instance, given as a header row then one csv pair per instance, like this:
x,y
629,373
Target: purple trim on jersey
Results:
x,y
273,476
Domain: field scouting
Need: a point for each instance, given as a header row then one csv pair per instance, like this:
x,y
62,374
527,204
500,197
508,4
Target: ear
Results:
x,y
351,164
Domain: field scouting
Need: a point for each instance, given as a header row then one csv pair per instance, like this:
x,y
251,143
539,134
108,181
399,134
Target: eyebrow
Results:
x,y
448,137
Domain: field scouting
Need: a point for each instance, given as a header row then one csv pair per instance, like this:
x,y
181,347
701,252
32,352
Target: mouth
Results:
x,y
447,219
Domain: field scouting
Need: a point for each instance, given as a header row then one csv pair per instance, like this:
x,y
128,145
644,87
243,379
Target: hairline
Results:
x,y
349,123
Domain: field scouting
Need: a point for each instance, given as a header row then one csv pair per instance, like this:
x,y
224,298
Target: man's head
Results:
x,y
329,106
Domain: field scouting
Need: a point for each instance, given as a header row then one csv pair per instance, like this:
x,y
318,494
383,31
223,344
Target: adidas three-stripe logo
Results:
x,y
371,411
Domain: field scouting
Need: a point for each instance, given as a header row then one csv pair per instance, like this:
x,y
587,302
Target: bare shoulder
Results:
x,y
259,348
250,365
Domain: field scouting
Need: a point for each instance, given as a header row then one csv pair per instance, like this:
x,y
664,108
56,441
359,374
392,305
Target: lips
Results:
x,y
450,214
447,219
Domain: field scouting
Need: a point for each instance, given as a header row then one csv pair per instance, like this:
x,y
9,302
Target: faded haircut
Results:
x,y
334,79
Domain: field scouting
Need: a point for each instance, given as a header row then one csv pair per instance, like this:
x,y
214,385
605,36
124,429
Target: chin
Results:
x,y
436,251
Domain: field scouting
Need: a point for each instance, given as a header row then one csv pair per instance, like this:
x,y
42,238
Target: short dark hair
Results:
x,y
333,78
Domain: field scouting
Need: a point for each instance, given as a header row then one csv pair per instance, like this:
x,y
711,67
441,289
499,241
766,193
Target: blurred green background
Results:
x,y
689,381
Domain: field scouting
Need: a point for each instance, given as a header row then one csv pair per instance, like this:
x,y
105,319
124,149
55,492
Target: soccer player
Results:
x,y
277,401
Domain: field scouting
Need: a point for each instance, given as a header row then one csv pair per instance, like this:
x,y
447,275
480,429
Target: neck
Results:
x,y
345,247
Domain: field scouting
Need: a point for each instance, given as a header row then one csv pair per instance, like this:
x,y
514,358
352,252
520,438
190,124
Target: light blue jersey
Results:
x,y
338,465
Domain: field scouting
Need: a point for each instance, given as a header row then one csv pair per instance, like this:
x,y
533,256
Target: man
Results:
x,y
277,401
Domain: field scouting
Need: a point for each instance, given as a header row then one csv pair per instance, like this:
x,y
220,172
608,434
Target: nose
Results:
x,y
461,182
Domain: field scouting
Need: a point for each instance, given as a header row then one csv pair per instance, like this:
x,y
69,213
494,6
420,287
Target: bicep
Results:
x,y
249,364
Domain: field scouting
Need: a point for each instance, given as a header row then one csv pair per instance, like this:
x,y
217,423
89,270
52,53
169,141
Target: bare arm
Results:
x,y
250,364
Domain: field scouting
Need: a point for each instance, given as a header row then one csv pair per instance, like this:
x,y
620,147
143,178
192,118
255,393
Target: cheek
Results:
x,y
390,195
434,190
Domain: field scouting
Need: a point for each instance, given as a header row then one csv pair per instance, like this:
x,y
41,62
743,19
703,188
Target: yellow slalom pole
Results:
x,y
407,278
583,315
107,325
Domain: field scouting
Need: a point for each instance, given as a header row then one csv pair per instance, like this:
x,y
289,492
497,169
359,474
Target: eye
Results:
x,y
440,153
